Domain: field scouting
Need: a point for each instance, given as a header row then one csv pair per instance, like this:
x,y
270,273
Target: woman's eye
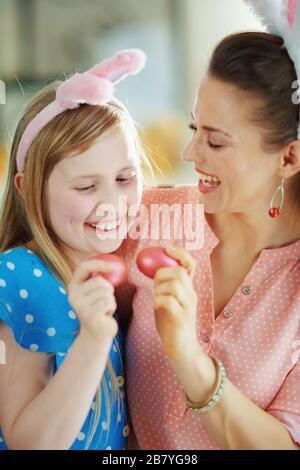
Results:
x,y
86,188
211,145
192,127
214,146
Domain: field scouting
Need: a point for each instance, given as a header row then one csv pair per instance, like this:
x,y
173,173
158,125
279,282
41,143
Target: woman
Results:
x,y
243,307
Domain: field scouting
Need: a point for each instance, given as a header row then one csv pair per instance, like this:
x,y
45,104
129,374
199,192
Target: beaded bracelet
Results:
x,y
216,396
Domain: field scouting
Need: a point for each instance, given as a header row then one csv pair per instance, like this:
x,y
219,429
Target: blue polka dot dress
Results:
x,y
34,304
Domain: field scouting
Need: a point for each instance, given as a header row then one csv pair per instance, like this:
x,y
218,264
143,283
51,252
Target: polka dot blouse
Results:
x,y
257,337
35,306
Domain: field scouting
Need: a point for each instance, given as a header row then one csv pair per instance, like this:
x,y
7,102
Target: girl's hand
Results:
x,y
93,300
176,306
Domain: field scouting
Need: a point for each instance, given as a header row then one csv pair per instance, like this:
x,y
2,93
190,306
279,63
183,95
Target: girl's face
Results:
x,y
235,173
96,187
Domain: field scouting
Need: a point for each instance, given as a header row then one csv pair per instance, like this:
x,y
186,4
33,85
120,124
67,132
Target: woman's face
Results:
x,y
96,187
228,148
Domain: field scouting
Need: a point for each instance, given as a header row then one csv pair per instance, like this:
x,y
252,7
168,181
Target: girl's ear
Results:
x,y
19,183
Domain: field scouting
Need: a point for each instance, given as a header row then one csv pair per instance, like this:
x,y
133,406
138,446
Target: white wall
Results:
x,y
206,22
8,38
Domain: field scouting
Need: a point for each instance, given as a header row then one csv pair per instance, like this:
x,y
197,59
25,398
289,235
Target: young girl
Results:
x,y
75,148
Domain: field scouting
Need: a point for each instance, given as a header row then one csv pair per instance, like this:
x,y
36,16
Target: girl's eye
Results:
x,y
85,189
126,180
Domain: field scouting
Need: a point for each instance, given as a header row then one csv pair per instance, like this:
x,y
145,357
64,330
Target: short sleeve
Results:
x,y
286,405
34,304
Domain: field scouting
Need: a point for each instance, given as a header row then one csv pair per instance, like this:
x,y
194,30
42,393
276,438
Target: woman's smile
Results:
x,y
208,183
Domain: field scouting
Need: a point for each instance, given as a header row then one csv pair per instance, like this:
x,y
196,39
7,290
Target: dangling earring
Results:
x,y
274,211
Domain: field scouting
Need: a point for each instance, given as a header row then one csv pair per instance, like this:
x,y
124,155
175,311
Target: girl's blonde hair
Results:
x,y
26,219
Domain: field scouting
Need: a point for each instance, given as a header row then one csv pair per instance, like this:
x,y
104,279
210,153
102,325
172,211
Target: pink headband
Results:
x,y
94,87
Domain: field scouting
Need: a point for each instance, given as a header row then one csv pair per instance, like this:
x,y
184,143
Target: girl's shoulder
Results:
x,y
24,267
34,303
19,253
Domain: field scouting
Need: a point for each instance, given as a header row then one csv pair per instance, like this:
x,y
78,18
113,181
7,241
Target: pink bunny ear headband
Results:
x,y
281,17
94,87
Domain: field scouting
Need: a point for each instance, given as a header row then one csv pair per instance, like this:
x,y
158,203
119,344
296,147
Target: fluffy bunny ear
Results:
x,y
281,17
127,62
84,88
94,87
271,13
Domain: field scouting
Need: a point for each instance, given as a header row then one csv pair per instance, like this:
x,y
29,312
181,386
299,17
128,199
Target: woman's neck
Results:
x,y
255,233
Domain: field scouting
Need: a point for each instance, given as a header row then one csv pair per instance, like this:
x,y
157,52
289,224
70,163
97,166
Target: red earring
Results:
x,y
275,211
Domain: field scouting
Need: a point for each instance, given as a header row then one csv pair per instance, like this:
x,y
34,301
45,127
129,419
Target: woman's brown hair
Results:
x,y
258,64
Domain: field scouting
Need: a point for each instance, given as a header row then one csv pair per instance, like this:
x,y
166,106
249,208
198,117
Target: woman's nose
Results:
x,y
190,154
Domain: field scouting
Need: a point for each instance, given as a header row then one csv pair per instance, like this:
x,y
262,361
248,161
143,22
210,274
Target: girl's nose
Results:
x,y
113,208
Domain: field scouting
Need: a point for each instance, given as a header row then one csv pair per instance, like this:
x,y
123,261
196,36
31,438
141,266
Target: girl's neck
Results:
x,y
31,245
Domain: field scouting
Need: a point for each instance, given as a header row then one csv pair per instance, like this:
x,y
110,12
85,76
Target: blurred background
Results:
x,y
41,40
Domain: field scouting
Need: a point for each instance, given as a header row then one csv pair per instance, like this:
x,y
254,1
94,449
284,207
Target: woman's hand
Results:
x,y
176,306
93,301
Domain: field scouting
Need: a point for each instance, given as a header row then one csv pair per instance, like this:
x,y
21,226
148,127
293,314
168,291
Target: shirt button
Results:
x,y
227,313
247,290
206,338
120,381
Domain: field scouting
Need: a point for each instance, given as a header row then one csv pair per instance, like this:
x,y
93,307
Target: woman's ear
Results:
x,y
19,183
290,164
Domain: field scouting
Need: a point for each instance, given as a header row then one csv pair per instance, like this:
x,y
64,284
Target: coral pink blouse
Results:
x,y
257,337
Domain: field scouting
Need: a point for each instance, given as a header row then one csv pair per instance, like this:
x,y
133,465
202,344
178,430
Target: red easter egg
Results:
x,y
150,260
118,274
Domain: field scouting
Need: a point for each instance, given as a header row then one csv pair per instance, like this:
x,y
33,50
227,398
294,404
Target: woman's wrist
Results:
x,y
215,396
197,374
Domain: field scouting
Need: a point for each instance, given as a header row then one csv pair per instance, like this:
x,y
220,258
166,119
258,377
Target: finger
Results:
x,y
103,322
168,274
185,259
95,283
104,307
167,303
86,268
96,296
175,289
78,292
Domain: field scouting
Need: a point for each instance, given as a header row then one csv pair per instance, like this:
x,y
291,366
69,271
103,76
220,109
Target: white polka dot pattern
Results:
x,y
35,305
253,339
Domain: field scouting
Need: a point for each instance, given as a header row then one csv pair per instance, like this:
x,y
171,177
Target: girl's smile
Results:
x,y
97,188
